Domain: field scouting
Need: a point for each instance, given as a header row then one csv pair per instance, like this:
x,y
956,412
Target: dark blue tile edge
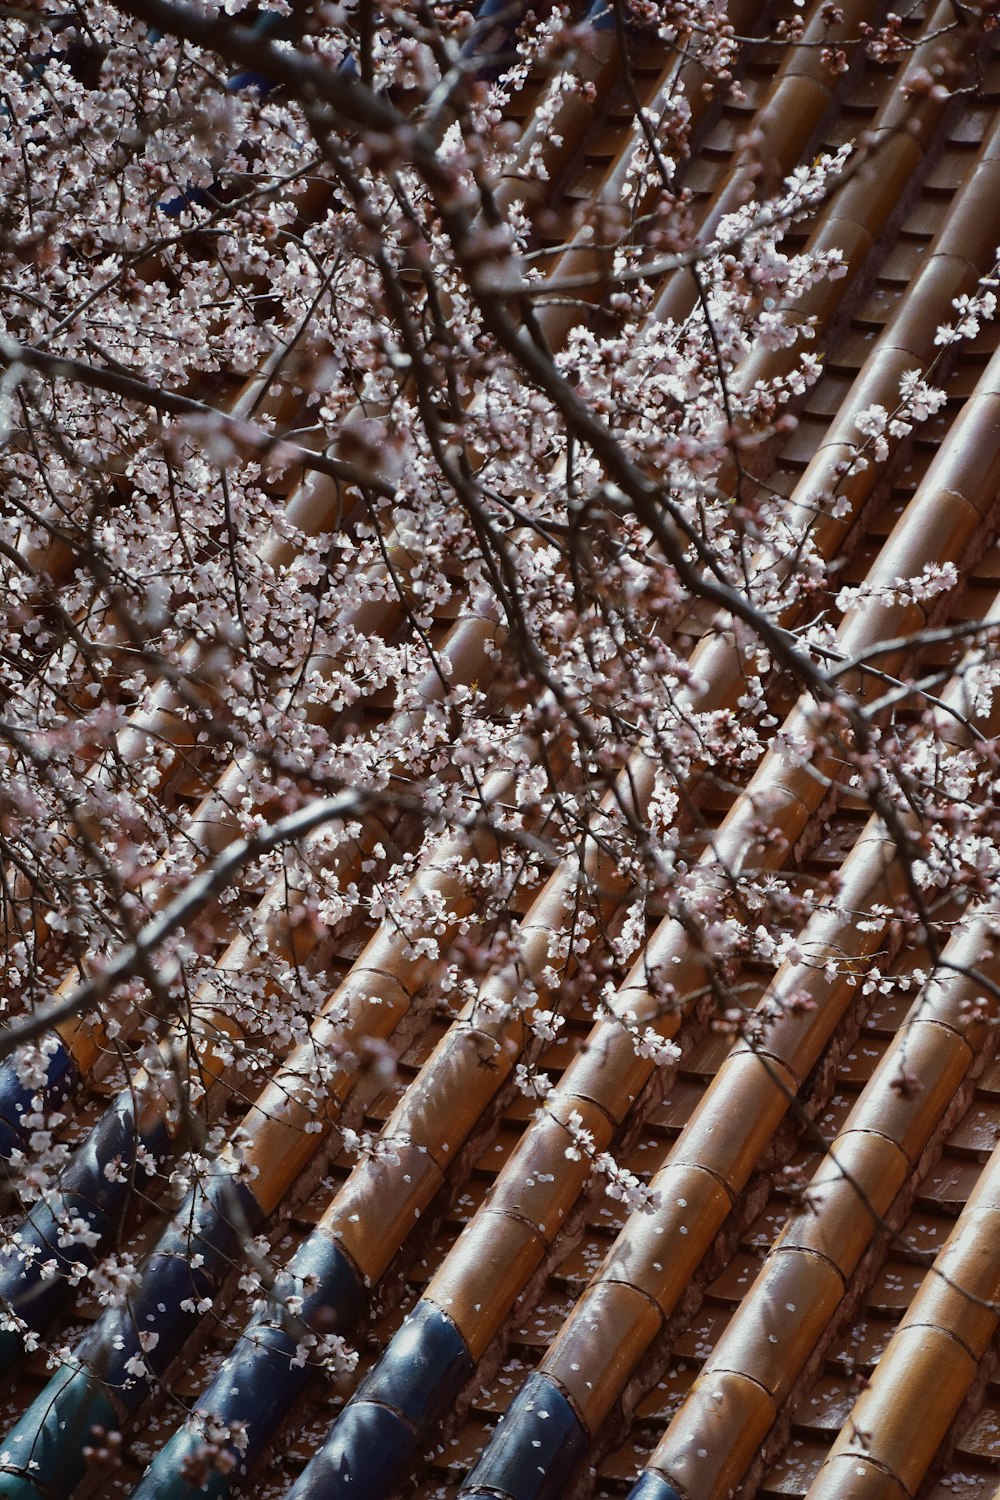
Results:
x,y
362,1458
61,1079
258,1384
103,1391
27,1284
393,1412
423,1369
652,1486
535,1449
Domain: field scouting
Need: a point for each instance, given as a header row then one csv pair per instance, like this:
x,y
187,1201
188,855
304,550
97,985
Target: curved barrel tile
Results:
x,y
549,139
556,318
785,1314
873,193
402,1397
925,1373
538,1445
35,1460
788,122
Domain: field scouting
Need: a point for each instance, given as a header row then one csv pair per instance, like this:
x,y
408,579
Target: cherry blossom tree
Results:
x,y
384,555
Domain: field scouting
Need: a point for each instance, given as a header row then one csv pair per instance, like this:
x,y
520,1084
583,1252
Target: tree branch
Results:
x,y
131,959
246,436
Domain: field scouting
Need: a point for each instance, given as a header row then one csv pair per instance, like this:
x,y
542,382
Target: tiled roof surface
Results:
x,y
777,1326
